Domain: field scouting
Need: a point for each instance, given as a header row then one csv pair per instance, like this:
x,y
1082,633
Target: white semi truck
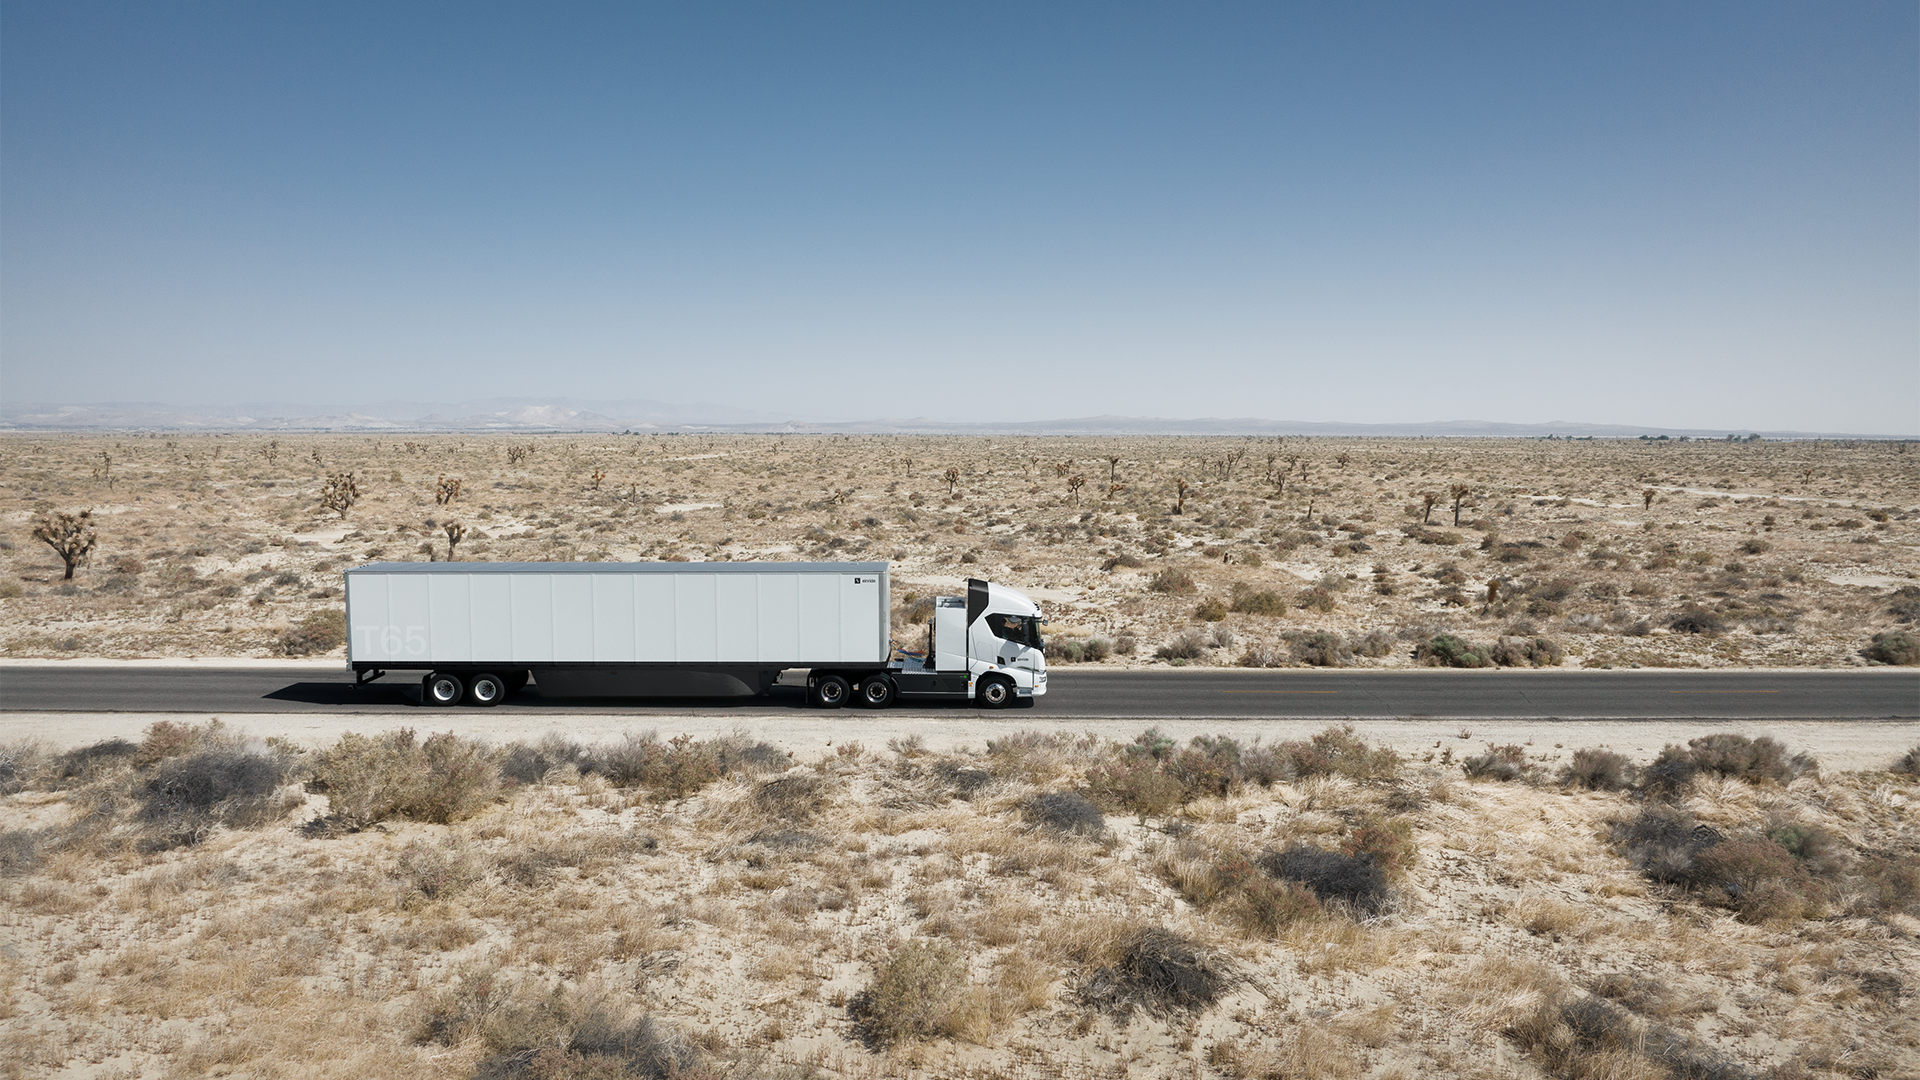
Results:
x,y
480,631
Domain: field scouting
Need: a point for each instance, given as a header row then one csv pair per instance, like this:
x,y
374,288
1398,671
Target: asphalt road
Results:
x,y
1878,695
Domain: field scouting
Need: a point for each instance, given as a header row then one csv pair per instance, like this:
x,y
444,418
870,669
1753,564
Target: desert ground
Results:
x,y
198,901
1204,551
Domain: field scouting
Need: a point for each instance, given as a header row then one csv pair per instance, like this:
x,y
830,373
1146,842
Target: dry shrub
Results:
x,y
1065,812
1320,648
524,764
1908,764
919,992
1446,650
1598,770
557,1034
1189,644
186,797
1356,881
1516,651
535,863
323,631
1696,621
1894,647
19,765
1160,971
370,779
1752,874
1501,763
682,765
85,764
1172,580
1337,751
1212,609
1250,601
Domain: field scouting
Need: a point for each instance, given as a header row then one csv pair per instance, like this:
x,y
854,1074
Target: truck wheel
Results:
x,y
442,688
994,693
486,690
877,692
831,692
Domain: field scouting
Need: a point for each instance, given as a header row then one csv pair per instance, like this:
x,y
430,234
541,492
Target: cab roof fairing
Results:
x,y
1007,602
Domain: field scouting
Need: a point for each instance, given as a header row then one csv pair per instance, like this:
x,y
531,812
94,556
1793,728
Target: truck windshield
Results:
x,y
1020,629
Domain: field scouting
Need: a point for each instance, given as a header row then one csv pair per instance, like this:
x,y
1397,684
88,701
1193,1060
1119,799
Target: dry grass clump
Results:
x,y
920,991
539,1033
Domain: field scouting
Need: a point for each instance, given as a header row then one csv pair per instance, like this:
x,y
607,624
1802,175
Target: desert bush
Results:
x,y
1663,843
1374,643
323,631
682,765
1527,652
1209,766
370,779
1908,764
525,764
1894,647
1337,751
1696,621
1321,648
84,764
1752,760
1172,580
1670,774
1445,650
529,1033
1316,598
1758,879
963,781
1189,644
1125,645
1212,609
1904,603
1500,763
1598,770
1755,546
187,796
1137,785
1159,971
1818,850
1260,654
1065,812
1356,881
1250,601
919,992
1889,883
1389,843
1069,651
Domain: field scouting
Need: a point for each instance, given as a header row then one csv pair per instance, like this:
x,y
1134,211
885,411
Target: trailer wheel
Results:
x,y
994,693
486,690
877,692
831,692
442,688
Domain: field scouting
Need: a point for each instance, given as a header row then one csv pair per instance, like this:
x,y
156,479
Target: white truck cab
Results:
x,y
985,645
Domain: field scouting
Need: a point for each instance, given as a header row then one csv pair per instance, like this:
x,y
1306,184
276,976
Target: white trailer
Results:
x,y
481,631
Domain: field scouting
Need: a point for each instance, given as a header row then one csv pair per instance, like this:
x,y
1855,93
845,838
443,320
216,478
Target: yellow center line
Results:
x,y
1723,691
1279,691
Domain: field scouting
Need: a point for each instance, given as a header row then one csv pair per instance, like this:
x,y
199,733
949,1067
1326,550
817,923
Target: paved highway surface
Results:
x,y
1878,694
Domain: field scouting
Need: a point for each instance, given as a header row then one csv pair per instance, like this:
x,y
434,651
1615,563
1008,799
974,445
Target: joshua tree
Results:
x,y
1427,501
1343,458
1074,483
271,451
71,536
952,477
1181,506
104,470
1646,499
517,454
447,490
595,477
340,493
1115,489
1459,493
1493,591
1113,469
1062,468
456,532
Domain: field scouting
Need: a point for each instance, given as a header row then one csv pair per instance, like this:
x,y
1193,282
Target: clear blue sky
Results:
x,y
1670,214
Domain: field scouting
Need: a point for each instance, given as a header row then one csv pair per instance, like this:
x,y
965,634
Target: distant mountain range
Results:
x,y
643,416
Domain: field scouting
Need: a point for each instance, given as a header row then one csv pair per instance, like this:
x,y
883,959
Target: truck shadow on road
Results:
x,y
402,695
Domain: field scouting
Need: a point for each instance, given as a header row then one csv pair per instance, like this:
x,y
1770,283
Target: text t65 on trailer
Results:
x,y
481,630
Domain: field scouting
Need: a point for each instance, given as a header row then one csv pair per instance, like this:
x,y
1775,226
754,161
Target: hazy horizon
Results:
x,y
1692,218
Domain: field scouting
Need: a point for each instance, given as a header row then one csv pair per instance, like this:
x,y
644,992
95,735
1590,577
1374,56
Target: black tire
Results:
x,y
876,692
994,693
442,689
830,692
486,690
